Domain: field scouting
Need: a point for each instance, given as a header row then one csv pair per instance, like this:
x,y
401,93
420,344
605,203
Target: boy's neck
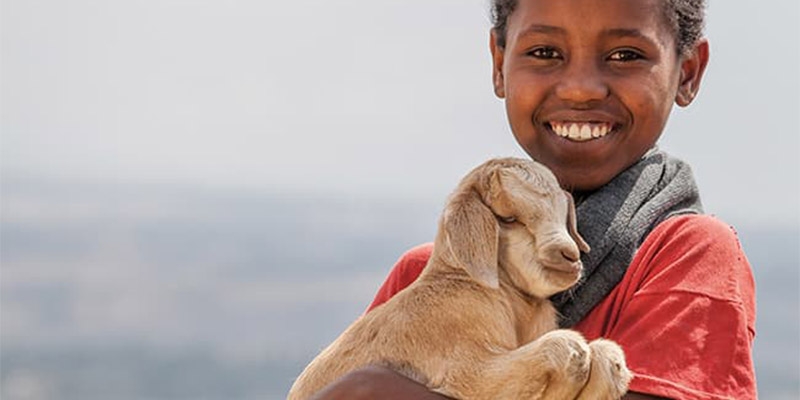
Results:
x,y
580,195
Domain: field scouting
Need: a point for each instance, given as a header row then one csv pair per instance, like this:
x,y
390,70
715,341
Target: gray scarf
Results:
x,y
616,218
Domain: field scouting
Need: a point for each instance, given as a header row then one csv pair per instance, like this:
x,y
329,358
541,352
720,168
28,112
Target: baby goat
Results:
x,y
477,323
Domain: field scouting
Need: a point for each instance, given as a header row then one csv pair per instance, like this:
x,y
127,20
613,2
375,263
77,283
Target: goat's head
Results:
x,y
509,217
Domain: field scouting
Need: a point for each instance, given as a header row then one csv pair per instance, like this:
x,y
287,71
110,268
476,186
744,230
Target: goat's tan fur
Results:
x,y
477,323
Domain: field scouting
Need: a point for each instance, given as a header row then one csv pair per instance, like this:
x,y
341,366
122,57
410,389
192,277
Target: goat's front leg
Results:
x,y
554,366
609,377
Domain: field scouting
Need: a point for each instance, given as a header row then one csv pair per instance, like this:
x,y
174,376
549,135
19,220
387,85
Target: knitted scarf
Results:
x,y
616,219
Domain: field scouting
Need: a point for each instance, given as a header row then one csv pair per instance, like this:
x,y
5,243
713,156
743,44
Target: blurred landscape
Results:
x,y
126,292
197,196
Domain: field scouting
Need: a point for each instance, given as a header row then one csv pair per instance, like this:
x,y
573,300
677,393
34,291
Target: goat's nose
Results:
x,y
562,255
571,253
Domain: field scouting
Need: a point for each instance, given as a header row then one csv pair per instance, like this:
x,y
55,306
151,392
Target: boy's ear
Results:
x,y
497,65
693,65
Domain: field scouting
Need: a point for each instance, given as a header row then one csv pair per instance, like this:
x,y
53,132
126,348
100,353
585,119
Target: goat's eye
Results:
x,y
507,220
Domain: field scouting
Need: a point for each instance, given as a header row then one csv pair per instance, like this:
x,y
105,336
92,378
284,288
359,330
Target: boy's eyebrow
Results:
x,y
630,33
537,28
624,32
615,32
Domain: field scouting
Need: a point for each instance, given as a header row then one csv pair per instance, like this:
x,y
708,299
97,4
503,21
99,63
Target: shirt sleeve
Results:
x,y
405,271
685,313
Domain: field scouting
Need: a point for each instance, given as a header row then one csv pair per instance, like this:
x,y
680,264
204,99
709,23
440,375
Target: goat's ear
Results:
x,y
505,187
472,236
572,225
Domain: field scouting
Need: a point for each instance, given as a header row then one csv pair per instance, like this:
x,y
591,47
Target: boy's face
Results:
x,y
589,84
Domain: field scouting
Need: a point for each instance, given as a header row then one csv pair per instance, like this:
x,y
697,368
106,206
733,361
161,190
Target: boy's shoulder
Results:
x,y
695,226
695,253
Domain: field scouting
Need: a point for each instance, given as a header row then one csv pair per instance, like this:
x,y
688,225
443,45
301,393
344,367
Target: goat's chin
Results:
x,y
541,282
561,280
551,281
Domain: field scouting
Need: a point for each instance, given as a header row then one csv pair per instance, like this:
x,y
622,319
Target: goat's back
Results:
x,y
423,332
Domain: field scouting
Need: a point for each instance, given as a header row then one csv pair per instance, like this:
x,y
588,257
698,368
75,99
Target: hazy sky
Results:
x,y
371,98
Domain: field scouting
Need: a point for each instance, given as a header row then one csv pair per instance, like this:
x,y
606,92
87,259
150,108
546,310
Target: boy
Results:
x,y
588,86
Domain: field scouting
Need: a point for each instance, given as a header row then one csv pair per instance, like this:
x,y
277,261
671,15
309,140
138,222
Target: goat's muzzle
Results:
x,y
562,256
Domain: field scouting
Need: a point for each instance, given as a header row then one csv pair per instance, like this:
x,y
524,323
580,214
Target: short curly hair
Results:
x,y
687,18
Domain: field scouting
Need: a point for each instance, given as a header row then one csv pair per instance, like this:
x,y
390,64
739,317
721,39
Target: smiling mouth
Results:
x,y
581,131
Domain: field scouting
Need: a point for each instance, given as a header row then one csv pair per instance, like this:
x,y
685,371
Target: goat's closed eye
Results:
x,y
507,220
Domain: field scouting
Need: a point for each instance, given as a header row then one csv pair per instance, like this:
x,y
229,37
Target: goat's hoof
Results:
x,y
610,375
569,353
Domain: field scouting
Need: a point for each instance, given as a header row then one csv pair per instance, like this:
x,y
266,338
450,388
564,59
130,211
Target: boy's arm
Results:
x,y
376,383
639,396
382,383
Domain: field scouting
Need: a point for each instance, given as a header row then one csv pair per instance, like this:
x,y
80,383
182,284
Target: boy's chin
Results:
x,y
581,182
578,176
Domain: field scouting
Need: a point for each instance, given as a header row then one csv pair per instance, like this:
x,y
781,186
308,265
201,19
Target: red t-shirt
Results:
x,y
684,312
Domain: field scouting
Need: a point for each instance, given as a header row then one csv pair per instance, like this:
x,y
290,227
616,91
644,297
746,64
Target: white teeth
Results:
x,y
586,132
580,131
574,131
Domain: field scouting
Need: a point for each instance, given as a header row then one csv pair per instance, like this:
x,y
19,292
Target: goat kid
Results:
x,y
477,323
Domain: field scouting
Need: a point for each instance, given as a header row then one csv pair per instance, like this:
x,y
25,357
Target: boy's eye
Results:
x,y
625,55
545,53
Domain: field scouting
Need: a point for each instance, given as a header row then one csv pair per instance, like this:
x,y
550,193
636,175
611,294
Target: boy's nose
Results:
x,y
581,84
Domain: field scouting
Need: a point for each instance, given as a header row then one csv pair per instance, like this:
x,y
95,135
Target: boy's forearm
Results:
x,y
376,383
639,396
382,383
